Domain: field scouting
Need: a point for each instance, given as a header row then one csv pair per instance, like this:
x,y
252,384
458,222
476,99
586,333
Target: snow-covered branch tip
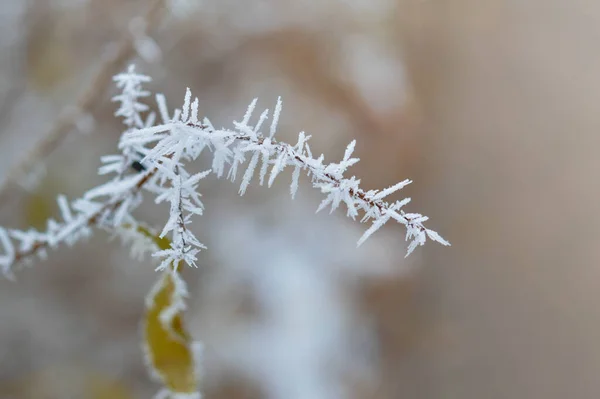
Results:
x,y
153,158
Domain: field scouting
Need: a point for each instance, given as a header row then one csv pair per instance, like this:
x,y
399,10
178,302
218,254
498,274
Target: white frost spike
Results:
x,y
186,106
84,206
300,144
111,158
400,204
417,241
65,210
194,116
112,187
295,178
238,158
114,167
349,150
391,190
261,120
277,167
131,85
433,235
276,115
308,151
264,167
175,200
377,223
325,203
146,136
249,172
161,102
352,211
150,120
176,114
249,112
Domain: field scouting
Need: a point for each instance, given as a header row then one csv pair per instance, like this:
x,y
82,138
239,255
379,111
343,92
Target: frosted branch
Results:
x,y
183,139
23,245
159,154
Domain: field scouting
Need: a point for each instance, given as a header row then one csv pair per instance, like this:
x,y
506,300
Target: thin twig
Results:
x,y
327,177
88,100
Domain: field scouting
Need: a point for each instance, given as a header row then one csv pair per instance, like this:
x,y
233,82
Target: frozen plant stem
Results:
x,y
37,243
165,148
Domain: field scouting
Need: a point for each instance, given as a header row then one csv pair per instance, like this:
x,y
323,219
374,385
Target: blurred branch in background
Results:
x,y
79,116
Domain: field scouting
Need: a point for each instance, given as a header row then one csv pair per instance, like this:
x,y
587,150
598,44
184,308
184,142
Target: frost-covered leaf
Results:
x,y
168,346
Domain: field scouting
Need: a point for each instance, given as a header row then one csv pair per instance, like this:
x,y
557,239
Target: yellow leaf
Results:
x,y
169,347
162,243
171,354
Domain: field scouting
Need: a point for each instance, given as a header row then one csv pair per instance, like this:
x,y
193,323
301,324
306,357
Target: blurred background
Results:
x,y
490,107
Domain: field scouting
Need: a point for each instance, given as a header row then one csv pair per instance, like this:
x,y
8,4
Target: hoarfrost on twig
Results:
x,y
162,151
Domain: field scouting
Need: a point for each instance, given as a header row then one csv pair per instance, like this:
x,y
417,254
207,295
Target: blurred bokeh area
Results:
x,y
490,107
